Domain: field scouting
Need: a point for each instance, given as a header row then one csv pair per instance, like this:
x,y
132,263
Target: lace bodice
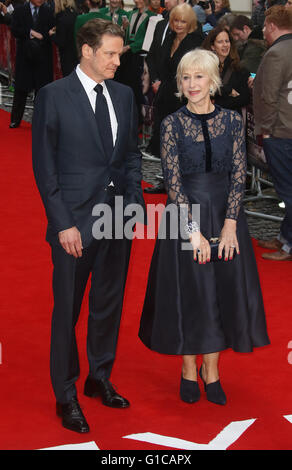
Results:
x,y
198,143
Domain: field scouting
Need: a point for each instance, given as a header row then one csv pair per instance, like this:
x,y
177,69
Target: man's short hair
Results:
x,y
280,16
240,21
92,31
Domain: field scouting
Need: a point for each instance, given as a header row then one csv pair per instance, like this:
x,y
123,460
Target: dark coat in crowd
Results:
x,y
166,101
253,50
215,17
34,60
233,79
65,40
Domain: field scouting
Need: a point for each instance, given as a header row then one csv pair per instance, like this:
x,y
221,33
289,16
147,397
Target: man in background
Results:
x,y
30,26
272,99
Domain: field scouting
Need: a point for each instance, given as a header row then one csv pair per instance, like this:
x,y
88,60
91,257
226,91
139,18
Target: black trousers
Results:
x,y
278,153
18,105
107,262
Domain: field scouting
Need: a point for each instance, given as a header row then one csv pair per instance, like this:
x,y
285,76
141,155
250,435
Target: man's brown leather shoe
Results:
x,y
273,244
280,255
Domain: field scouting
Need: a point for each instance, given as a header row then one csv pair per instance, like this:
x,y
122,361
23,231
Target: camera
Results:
x,y
204,5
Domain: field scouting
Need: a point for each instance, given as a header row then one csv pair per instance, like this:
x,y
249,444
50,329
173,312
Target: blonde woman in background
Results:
x,y
63,34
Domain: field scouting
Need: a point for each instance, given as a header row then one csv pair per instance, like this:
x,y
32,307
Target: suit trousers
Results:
x,y
278,153
107,263
18,105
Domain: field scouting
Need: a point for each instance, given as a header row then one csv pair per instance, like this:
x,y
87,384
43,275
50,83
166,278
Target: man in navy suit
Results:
x,y
84,144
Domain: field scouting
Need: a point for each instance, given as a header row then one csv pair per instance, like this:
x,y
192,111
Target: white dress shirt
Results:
x,y
89,85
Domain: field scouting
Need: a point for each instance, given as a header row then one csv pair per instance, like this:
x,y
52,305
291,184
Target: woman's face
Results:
x,y
180,26
195,85
218,5
222,46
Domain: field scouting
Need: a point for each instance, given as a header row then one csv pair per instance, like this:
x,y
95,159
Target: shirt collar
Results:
x,y
284,37
86,81
32,7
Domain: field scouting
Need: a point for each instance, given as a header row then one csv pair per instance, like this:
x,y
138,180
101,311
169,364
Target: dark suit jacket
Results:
x,y
70,166
31,75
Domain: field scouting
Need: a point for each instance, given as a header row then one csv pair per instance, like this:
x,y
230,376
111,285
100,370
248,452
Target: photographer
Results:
x,y
200,9
221,7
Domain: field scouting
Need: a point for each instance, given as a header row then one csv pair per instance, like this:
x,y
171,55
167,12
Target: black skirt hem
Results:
x,y
206,351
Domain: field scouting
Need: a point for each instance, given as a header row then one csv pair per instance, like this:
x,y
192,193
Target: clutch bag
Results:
x,y
214,245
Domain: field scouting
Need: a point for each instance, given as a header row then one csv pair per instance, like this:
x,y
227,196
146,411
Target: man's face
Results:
x,y
241,35
268,32
103,63
170,4
114,4
37,3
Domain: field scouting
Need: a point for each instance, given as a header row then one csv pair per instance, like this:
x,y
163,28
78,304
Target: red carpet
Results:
x,y
258,385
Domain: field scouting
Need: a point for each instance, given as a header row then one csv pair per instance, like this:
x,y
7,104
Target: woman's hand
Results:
x,y
201,247
52,31
155,86
228,240
250,82
234,93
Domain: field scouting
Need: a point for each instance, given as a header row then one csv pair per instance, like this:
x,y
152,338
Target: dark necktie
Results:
x,y
35,16
103,121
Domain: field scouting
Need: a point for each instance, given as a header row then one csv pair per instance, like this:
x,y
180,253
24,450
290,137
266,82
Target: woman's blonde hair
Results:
x,y
186,13
61,5
201,61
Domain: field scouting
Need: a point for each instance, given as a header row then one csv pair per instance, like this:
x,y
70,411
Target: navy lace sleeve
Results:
x,y
238,172
171,172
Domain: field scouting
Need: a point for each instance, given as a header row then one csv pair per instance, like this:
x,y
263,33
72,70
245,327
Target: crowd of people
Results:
x,y
203,65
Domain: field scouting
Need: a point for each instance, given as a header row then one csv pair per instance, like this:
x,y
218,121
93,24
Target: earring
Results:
x,y
211,90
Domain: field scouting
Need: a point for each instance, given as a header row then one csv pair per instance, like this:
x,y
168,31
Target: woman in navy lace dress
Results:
x,y
193,305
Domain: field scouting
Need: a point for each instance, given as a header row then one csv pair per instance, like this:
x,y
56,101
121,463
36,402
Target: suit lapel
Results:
x,y
118,111
83,107
82,104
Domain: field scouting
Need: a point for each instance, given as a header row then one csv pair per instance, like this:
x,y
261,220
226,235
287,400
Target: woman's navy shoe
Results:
x,y
214,391
189,390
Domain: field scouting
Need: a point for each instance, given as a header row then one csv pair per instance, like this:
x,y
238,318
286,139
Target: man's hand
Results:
x,y
70,240
3,8
35,34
